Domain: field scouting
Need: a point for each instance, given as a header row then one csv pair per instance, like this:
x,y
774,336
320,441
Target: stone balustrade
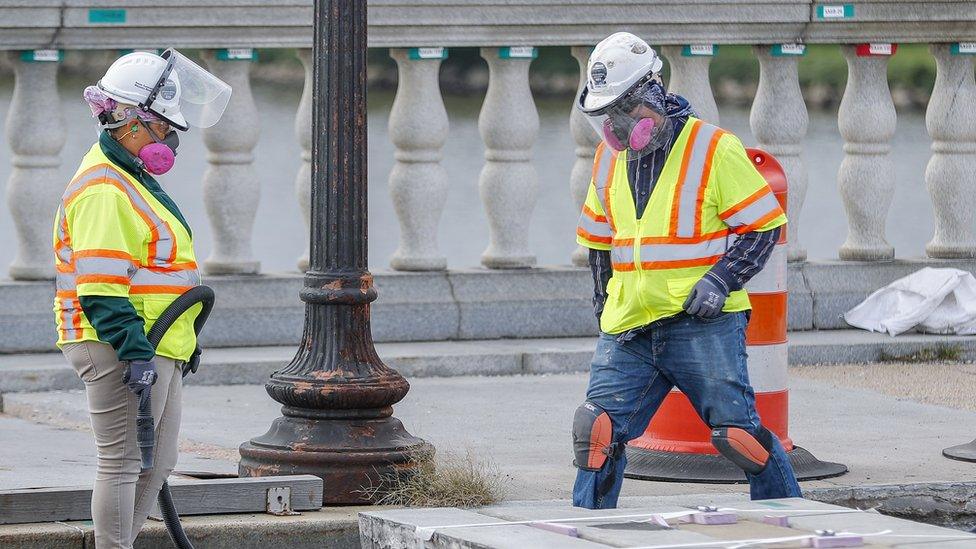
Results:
x,y
419,33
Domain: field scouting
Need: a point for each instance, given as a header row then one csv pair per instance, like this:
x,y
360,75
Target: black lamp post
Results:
x,y
337,416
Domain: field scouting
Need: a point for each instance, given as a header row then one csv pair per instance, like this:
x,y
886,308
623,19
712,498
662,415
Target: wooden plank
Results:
x,y
192,497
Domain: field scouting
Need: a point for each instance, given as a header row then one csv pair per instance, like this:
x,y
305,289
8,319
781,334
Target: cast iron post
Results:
x,y
337,420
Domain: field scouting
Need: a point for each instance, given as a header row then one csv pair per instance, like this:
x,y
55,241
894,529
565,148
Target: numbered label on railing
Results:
x,y
963,48
870,50
837,11
42,56
789,49
428,53
695,50
518,52
236,54
106,17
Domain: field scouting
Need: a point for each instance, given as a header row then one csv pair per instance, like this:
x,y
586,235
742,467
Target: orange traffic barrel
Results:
x,y
677,444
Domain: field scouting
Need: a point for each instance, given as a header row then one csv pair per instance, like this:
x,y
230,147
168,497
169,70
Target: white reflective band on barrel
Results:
x,y
753,212
674,252
768,367
772,279
693,181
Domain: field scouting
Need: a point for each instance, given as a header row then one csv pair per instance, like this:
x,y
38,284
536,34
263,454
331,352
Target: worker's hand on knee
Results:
x,y
139,375
706,299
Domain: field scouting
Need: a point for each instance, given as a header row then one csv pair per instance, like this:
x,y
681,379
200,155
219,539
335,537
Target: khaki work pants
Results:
x,y
123,495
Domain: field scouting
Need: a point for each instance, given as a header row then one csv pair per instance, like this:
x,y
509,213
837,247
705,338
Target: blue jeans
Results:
x,y
633,372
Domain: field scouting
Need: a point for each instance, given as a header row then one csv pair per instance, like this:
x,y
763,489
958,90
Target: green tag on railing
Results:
x,y
518,52
784,50
237,54
42,56
835,11
106,17
963,48
428,53
695,50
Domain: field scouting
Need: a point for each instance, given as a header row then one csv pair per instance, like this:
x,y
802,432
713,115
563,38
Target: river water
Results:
x,y
278,237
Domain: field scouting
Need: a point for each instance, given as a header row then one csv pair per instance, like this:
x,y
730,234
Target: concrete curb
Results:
x,y
253,365
336,528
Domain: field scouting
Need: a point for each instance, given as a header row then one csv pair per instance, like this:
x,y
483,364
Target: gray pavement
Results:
x,y
520,424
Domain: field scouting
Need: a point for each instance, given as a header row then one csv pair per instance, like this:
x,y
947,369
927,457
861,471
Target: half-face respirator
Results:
x,y
625,124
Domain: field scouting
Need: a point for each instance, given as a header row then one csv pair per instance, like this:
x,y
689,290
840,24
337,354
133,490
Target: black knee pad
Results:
x,y
592,437
749,452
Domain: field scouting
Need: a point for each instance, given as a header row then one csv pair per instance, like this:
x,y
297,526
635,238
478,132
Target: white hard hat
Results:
x,y
133,78
170,86
617,63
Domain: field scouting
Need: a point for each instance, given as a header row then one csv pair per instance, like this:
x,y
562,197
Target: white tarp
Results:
x,y
939,301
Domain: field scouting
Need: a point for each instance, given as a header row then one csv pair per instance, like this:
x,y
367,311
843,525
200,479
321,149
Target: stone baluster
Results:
x,y
951,172
866,178
303,130
779,123
509,125
230,187
586,141
689,78
35,186
418,182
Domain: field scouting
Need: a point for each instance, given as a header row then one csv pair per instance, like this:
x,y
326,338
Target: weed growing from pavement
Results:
x,y
942,352
445,481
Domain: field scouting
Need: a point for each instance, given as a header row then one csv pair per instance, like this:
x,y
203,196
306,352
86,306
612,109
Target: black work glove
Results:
x,y
139,375
706,299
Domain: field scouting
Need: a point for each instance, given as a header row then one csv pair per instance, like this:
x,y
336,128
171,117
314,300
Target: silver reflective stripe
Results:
x,y
166,241
67,312
753,212
622,254
146,277
602,178
674,252
64,252
65,281
595,228
104,266
694,174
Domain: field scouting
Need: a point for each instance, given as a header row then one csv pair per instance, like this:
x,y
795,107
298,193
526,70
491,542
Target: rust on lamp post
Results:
x,y
337,395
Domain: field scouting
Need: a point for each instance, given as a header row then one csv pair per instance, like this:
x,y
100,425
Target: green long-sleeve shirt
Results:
x,y
114,318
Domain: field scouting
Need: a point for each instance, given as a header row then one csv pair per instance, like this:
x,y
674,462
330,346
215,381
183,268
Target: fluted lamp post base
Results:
x,y
350,454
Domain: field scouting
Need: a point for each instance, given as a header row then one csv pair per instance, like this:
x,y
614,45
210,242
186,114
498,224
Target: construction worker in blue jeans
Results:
x,y
677,220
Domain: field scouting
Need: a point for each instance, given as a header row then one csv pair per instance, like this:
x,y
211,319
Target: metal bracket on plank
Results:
x,y
279,502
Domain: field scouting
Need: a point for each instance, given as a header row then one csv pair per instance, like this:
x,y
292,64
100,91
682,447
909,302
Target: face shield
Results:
x,y
187,94
628,124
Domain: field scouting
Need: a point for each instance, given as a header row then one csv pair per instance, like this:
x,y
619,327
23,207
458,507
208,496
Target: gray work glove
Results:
x,y
706,299
139,375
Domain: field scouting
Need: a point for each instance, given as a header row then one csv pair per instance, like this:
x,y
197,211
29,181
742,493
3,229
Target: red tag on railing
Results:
x,y
870,50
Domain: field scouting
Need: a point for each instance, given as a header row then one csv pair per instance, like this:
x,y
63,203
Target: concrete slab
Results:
x,y
632,527
253,365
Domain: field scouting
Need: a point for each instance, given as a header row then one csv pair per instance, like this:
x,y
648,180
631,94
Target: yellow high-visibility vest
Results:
x,y
112,237
708,192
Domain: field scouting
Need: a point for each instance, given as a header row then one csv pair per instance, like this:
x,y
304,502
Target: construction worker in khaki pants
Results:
x,y
124,252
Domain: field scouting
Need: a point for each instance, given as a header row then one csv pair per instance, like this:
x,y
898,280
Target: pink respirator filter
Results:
x,y
640,136
157,158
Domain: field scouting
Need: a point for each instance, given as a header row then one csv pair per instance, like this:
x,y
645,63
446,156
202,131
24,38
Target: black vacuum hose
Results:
x,y
197,294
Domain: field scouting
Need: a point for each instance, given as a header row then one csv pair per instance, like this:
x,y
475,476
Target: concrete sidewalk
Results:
x,y
253,365
519,424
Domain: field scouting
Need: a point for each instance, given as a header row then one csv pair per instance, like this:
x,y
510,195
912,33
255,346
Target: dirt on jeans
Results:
x,y
949,384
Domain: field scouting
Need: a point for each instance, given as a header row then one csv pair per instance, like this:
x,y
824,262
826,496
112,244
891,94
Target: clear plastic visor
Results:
x,y
203,96
625,125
